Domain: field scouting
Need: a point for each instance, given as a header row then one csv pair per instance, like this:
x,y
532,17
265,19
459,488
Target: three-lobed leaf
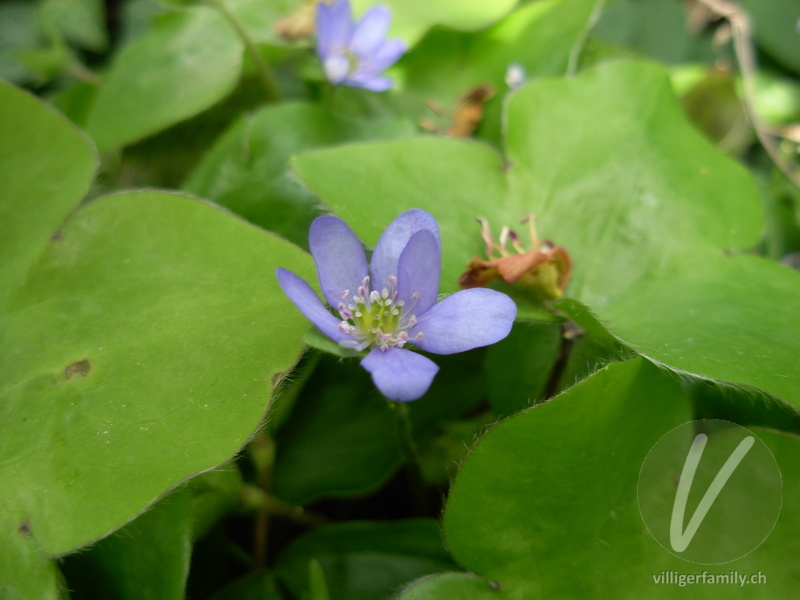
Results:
x,y
142,336
648,210
547,503
187,62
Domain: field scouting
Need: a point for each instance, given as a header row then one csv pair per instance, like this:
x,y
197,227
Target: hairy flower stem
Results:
x,y
564,351
577,49
329,96
416,482
265,74
262,451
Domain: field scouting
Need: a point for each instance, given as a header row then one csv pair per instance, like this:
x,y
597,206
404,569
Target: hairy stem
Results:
x,y
743,48
560,364
575,52
416,482
265,74
262,451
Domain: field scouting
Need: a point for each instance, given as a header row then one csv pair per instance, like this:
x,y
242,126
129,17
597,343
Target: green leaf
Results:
x,y
592,438
259,17
453,586
775,29
713,105
585,355
411,19
213,495
247,169
75,101
518,367
649,221
656,29
47,63
340,438
459,388
18,33
317,584
140,348
81,22
539,37
146,559
144,325
777,98
454,180
46,167
780,199
741,341
314,338
25,569
441,454
364,560
179,3
515,499
190,60
258,585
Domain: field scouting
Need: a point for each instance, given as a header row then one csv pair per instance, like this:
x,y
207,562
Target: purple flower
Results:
x,y
356,55
393,302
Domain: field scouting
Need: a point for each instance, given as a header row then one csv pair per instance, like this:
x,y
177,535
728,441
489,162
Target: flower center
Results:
x,y
378,318
352,61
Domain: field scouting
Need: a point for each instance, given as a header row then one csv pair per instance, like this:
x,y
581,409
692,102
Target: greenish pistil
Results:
x,y
378,318
352,60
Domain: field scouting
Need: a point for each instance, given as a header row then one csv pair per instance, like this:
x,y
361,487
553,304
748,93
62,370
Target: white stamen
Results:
x,y
377,318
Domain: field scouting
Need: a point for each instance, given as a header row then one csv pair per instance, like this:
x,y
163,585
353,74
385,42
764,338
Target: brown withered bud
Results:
x,y
544,269
298,25
470,111
466,114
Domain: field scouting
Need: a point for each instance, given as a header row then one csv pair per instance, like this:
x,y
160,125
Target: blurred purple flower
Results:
x,y
355,55
393,302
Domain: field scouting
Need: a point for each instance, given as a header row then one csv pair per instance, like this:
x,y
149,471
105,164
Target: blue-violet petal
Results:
x,y
304,298
419,268
388,54
339,256
373,84
400,375
334,27
468,319
370,32
394,240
